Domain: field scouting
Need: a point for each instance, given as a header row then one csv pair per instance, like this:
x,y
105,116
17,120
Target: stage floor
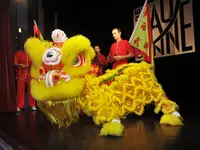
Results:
x,y
31,131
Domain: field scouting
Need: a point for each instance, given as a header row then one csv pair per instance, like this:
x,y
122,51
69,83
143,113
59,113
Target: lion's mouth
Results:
x,y
53,77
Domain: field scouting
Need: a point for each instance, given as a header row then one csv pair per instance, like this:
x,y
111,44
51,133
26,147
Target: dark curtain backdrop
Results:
x,y
7,79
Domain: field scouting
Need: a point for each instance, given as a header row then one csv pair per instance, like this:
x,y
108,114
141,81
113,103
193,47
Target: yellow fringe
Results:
x,y
63,113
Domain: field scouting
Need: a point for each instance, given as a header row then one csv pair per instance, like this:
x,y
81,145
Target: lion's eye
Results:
x,y
79,60
52,56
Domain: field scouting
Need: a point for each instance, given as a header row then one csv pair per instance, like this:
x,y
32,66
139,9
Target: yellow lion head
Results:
x,y
57,73
58,76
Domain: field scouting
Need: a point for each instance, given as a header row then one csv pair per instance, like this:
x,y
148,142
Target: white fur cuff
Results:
x,y
116,120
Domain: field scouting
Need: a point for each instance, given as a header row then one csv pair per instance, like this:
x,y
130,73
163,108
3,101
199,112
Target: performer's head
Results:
x,y
97,49
116,32
59,37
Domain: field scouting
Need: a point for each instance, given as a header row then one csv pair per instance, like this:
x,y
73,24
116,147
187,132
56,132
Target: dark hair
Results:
x,y
118,29
97,46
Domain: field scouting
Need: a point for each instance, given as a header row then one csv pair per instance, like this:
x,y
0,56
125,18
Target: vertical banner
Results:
x,y
141,38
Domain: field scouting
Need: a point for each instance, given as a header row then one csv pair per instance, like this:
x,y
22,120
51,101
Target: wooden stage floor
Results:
x,y
31,131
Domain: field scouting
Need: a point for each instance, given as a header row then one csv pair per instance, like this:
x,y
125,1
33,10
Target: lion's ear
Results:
x,y
75,45
35,49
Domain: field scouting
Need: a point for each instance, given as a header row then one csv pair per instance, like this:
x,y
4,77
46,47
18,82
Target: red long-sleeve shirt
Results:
x,y
120,48
22,58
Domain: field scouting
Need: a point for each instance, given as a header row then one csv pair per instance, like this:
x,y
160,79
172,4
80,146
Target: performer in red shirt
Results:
x,y
99,62
120,51
23,64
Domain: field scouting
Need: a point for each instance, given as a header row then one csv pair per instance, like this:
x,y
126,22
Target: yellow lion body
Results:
x,y
65,89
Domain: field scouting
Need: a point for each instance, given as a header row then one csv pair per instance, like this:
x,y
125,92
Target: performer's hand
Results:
x,y
23,66
118,58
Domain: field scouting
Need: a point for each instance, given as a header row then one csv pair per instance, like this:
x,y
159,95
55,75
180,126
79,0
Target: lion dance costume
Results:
x,y
63,88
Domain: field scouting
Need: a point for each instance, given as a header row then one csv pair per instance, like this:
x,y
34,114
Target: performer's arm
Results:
x,y
124,57
102,60
21,65
110,58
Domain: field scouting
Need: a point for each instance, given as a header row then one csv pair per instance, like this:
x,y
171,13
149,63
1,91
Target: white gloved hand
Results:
x,y
176,113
